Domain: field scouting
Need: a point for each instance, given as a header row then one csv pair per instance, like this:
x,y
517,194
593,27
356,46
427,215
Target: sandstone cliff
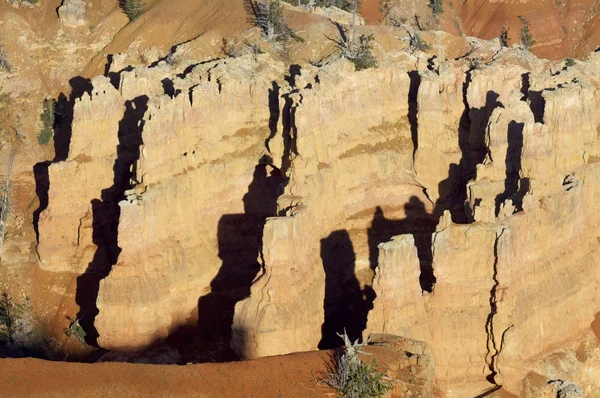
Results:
x,y
249,206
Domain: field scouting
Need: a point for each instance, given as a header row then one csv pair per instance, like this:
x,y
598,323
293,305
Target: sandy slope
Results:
x,y
168,22
287,376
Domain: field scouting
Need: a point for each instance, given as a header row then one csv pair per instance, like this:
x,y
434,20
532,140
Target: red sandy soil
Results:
x,y
370,12
278,377
561,28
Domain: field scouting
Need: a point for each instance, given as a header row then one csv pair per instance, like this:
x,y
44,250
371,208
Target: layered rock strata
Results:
x,y
274,206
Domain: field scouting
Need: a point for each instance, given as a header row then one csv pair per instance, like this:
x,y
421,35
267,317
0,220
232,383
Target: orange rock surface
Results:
x,y
233,199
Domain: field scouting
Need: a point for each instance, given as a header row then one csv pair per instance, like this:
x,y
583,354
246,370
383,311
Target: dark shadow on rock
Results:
x,y
295,70
106,213
114,77
168,87
537,103
63,122
273,113
240,246
413,107
346,305
471,140
419,223
513,165
525,84
289,134
451,197
42,185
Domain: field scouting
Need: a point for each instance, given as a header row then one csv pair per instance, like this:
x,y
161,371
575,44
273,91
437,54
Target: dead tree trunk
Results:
x,y
353,26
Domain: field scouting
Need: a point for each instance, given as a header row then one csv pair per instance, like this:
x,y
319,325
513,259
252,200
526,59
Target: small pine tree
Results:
x,y
504,39
525,35
437,7
132,8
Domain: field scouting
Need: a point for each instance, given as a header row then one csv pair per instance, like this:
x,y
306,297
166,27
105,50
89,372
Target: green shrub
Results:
x,y
47,118
362,57
346,5
353,378
132,8
570,62
75,330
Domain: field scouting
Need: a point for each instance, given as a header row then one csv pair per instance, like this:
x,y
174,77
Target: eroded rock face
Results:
x,y
202,252
514,255
267,207
283,311
463,262
66,241
72,12
413,373
319,163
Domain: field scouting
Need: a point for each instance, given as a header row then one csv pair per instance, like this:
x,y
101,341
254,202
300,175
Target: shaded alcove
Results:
x,y
346,304
239,239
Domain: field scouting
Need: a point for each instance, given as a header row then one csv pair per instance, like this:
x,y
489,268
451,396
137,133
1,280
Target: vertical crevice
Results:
x,y
191,94
413,109
289,134
42,186
459,175
537,103
513,167
106,213
525,86
494,345
464,126
273,113
471,140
